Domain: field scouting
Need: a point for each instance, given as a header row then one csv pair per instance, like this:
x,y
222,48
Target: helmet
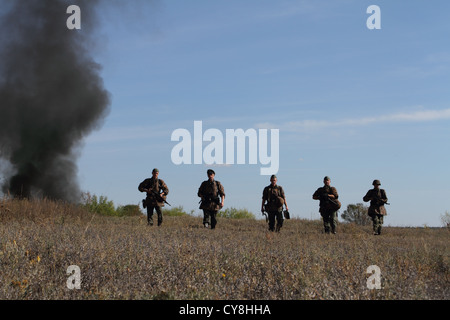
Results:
x,y
376,182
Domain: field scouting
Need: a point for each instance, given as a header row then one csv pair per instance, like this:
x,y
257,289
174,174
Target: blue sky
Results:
x,y
351,103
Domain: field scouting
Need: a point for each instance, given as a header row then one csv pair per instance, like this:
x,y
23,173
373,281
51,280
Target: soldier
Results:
x,y
275,198
212,196
377,211
329,205
157,192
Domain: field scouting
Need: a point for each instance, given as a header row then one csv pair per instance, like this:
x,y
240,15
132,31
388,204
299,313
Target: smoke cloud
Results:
x,y
51,96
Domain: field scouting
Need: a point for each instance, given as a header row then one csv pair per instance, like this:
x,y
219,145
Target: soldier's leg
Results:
x,y
333,221
279,217
380,223
372,217
205,218
213,215
271,220
159,213
326,221
149,215
376,222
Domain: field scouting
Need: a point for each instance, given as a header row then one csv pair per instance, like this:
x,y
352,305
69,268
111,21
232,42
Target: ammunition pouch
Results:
x,y
377,210
335,204
275,203
208,200
279,201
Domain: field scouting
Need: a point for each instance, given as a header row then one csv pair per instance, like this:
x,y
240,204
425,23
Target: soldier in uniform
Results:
x,y
157,192
273,200
329,205
212,196
377,211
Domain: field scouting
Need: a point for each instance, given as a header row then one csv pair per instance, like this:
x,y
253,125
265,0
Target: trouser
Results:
x,y
150,214
329,221
210,215
278,216
377,220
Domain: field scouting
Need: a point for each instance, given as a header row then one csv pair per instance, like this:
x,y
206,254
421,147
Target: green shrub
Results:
x,y
105,207
128,210
233,213
174,212
100,205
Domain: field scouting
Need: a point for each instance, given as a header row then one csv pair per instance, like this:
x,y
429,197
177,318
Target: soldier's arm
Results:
x,y
367,197
221,189
383,196
316,195
264,198
200,190
165,189
221,192
141,186
334,194
283,196
282,193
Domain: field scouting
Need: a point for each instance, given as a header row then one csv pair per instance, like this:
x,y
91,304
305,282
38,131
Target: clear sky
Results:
x,y
353,103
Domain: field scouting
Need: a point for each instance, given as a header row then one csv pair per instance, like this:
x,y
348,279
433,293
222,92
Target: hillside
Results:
x,y
123,258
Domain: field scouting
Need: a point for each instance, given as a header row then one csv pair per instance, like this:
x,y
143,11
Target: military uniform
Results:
x,y
328,207
210,192
274,199
377,211
153,201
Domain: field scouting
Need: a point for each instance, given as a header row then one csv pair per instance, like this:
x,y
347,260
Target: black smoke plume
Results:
x,y
51,96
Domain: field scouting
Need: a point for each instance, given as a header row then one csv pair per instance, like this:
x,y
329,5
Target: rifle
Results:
x,y
158,196
265,214
379,201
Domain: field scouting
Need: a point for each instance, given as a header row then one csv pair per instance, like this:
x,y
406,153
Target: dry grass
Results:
x,y
123,258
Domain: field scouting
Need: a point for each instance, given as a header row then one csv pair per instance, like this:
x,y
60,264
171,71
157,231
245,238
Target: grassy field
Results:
x,y
123,258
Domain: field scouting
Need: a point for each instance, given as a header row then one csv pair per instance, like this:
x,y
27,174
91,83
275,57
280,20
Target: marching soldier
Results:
x,y
377,211
157,192
329,205
273,200
212,196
